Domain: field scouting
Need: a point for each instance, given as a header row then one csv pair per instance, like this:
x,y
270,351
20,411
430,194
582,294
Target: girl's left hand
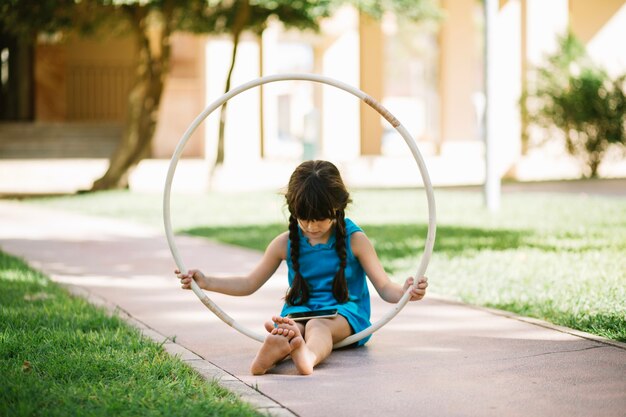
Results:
x,y
419,292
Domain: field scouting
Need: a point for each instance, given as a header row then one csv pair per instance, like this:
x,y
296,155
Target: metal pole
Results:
x,y
492,177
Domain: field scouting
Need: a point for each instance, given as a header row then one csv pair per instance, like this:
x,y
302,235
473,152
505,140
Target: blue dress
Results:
x,y
318,265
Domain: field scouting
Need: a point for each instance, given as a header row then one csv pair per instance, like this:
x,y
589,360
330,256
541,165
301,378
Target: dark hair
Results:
x,y
316,192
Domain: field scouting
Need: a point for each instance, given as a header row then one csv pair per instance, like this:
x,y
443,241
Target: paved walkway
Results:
x,y
606,187
436,358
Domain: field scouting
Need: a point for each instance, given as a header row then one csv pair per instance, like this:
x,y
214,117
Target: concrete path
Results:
x,y
436,358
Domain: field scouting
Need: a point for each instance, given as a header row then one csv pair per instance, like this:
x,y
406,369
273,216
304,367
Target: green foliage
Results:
x,y
27,19
580,100
220,16
415,10
59,356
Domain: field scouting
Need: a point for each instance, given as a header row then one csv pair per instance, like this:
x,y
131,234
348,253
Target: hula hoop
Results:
x,y
430,238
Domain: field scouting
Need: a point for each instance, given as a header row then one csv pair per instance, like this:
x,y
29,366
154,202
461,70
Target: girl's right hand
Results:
x,y
192,274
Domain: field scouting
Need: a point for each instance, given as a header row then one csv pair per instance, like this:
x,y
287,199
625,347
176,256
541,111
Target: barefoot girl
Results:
x,y
328,257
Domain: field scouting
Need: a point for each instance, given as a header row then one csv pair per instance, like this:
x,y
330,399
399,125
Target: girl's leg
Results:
x,y
319,337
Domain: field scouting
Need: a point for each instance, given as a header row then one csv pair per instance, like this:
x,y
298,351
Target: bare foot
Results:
x,y
301,355
275,348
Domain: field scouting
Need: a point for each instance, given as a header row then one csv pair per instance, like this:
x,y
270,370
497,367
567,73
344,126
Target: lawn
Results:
x,y
60,356
559,258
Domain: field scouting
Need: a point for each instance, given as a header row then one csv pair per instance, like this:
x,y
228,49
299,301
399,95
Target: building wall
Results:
x,y
543,23
88,80
508,83
459,75
600,24
50,83
183,98
84,79
371,74
340,110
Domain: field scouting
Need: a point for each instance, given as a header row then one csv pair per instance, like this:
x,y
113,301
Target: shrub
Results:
x,y
579,99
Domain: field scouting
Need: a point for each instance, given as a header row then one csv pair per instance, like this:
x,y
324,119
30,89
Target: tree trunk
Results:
x,y
219,159
143,101
243,15
595,154
594,164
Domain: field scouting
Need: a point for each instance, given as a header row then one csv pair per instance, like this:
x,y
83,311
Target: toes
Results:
x,y
282,320
279,331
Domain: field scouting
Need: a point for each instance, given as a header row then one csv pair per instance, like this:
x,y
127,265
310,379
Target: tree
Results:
x,y
576,97
151,23
162,18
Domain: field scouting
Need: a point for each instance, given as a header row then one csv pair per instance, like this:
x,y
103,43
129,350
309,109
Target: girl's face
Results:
x,y
318,230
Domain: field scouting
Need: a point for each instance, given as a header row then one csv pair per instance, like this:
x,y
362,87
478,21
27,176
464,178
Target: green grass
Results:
x,y
60,356
559,258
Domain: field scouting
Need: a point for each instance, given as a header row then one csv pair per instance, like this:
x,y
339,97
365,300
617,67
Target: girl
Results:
x,y
328,257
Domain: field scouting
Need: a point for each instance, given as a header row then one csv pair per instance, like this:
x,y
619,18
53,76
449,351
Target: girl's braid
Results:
x,y
299,291
340,286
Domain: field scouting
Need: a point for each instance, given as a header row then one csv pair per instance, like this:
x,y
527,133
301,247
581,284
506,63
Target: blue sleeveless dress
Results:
x,y
318,265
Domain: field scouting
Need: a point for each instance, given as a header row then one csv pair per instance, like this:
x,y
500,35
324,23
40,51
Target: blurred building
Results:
x,y
429,75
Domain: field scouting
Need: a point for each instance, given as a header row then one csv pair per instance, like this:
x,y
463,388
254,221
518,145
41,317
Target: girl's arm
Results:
x,y
241,285
387,289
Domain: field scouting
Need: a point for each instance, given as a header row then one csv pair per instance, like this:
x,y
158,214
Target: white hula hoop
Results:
x,y
430,238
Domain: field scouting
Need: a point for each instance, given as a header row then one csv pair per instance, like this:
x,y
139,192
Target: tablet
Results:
x,y
315,314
